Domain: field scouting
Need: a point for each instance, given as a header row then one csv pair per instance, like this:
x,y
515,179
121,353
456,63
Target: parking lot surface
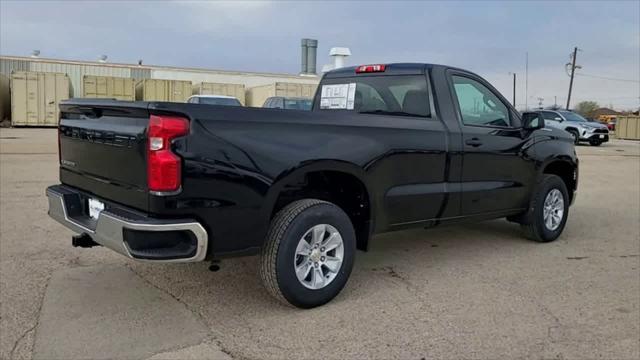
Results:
x,y
472,291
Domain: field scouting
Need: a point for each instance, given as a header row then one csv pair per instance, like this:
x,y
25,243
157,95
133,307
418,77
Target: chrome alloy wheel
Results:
x,y
553,211
319,256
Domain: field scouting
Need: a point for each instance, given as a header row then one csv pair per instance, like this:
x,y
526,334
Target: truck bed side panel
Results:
x,y
236,155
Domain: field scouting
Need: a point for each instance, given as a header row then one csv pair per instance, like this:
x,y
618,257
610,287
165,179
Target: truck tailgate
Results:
x,y
103,149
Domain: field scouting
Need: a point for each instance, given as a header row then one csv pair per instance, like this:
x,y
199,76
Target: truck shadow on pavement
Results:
x,y
236,286
402,282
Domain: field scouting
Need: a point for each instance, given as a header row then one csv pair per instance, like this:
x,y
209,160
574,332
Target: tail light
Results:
x,y
163,166
370,68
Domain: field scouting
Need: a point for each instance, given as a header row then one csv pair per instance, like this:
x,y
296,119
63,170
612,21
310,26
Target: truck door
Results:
x,y
497,171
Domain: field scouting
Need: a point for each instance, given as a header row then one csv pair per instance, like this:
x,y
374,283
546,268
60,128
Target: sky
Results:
x,y
488,38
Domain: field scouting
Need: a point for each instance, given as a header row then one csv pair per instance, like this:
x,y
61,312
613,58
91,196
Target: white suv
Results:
x,y
214,100
580,128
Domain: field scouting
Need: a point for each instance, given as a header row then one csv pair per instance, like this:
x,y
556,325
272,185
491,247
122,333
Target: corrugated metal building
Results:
x,y
77,69
248,79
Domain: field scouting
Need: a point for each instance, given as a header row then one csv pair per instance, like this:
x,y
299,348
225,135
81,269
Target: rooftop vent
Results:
x,y
339,55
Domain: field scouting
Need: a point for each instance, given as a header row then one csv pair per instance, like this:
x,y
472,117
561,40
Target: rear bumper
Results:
x,y
128,232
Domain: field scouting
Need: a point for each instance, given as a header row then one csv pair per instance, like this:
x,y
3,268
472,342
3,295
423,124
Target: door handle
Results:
x,y
475,142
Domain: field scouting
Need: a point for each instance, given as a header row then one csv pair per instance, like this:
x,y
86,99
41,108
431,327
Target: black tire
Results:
x,y
576,136
595,143
278,255
534,228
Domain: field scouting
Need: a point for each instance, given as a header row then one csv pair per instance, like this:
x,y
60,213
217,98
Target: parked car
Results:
x,y
214,100
289,103
386,147
580,128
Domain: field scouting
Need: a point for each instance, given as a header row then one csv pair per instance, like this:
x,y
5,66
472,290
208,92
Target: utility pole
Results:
x,y
573,71
514,89
526,81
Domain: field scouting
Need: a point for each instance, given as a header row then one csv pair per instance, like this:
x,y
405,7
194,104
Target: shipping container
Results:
x,y
5,98
108,87
163,90
256,96
208,88
628,127
35,97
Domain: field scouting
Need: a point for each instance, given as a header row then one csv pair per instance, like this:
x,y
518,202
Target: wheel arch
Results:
x,y
566,169
340,182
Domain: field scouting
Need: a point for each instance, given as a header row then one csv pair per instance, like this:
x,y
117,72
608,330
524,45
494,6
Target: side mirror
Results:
x,y
532,121
557,118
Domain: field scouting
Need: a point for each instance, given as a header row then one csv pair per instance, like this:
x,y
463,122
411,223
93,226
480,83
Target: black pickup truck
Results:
x,y
386,147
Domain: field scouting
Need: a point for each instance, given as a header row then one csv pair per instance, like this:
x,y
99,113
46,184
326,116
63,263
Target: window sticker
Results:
x,y
338,96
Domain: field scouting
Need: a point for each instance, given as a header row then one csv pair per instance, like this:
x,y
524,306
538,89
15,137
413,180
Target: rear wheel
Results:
x,y
549,210
308,254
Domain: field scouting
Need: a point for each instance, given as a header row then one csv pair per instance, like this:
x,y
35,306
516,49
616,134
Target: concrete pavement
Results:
x,y
473,291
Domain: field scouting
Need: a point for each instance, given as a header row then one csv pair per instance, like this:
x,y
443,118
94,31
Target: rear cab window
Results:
x,y
375,93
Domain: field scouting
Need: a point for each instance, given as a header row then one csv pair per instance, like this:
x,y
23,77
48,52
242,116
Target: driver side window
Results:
x,y
548,115
479,106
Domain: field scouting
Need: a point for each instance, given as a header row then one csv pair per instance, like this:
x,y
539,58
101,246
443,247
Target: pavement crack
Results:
x,y
32,328
24,334
210,333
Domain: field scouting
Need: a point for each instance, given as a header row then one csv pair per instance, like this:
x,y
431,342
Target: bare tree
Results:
x,y
587,108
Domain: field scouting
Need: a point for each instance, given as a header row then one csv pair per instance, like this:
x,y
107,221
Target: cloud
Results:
x,y
489,38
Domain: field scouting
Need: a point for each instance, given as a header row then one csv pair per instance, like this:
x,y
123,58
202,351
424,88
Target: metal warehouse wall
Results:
x,y
74,70
8,65
77,69
248,79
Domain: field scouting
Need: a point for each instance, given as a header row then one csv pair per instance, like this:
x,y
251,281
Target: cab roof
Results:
x,y
390,69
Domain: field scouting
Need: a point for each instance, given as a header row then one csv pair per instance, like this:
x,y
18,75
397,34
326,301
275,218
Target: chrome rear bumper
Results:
x,y
109,229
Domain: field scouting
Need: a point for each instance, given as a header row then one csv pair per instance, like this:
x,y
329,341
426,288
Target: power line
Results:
x,y
608,78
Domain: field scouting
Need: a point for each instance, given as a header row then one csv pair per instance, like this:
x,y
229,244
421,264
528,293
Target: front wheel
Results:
x,y
575,135
549,210
308,254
